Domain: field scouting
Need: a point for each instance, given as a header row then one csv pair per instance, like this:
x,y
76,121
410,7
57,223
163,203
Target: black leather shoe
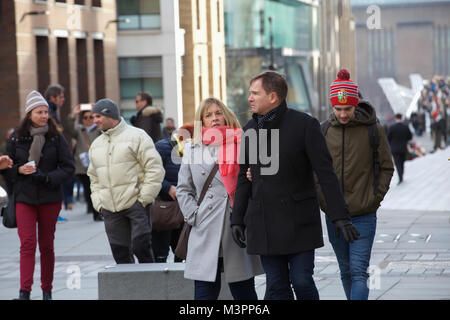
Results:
x,y
23,295
47,295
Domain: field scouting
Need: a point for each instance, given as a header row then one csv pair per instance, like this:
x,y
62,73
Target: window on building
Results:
x,y
63,73
100,91
219,20
197,4
141,14
82,74
43,63
140,75
62,1
79,2
96,3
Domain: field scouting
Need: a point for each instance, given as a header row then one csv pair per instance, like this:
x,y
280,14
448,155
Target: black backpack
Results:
x,y
374,143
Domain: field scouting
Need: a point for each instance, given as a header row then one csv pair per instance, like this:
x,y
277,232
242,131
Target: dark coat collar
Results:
x,y
276,122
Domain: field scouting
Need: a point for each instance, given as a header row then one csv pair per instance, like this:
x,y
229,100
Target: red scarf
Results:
x,y
229,140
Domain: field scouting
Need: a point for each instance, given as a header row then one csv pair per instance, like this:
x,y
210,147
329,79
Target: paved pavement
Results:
x,y
411,253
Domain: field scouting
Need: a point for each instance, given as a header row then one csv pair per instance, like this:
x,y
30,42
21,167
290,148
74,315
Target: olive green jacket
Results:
x,y
352,155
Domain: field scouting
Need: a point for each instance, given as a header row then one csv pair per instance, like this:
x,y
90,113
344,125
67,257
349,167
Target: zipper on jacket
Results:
x,y
343,140
109,172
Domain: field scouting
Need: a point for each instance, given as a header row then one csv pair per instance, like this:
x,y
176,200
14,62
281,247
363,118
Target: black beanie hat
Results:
x,y
107,108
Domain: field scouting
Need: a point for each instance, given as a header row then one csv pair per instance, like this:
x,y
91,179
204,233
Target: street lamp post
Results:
x,y
117,21
272,64
33,13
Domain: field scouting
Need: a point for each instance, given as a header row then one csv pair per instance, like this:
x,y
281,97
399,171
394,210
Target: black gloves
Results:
x,y
41,177
237,232
348,230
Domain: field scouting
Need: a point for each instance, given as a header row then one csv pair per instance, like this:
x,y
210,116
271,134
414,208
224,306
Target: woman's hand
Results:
x,y
173,192
5,162
75,112
27,169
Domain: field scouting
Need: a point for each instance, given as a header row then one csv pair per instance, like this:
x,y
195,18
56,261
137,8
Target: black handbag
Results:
x,y
166,215
9,212
182,245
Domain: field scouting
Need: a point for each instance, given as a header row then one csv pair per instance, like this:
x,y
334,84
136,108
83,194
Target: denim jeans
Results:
x,y
354,258
241,290
296,269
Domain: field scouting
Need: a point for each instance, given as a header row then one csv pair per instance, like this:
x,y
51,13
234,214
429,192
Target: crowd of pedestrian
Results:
x,y
434,103
245,219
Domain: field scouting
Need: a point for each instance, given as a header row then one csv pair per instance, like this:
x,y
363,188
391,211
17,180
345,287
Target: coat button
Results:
x,y
209,186
209,207
203,172
225,196
210,196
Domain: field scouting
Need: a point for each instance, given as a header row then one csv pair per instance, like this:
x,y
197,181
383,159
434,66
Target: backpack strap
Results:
x,y
324,127
374,143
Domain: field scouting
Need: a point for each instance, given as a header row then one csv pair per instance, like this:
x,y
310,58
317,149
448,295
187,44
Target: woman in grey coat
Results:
x,y
211,249
84,133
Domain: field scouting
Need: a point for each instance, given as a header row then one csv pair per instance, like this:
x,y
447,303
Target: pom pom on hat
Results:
x,y
343,74
343,91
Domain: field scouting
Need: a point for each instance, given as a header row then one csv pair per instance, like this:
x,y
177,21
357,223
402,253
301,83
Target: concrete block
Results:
x,y
149,281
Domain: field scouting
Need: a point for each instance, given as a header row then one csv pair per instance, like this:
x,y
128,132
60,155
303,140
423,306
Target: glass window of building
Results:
x,y
140,74
140,14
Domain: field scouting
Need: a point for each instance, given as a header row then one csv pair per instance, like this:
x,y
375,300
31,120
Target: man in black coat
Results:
x,y
147,117
279,209
398,136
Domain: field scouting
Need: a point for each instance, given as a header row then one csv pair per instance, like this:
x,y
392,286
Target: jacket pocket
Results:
x,y
304,208
300,196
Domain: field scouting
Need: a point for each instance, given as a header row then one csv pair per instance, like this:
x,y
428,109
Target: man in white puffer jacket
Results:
x,y
126,174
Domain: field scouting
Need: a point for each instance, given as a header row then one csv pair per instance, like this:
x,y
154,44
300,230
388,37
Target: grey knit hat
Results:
x,y
107,108
34,99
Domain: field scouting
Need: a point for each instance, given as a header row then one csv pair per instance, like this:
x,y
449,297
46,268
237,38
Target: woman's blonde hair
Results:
x,y
230,117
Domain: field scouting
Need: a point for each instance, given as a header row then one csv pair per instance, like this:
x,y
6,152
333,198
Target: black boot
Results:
x,y
47,295
23,295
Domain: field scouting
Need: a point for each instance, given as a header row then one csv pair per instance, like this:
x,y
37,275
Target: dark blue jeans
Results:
x,y
354,258
242,290
284,270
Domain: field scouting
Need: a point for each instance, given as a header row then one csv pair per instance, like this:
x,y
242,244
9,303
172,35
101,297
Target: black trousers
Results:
x,y
399,161
162,240
129,233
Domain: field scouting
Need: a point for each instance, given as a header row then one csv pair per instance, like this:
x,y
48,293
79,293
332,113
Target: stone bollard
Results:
x,y
149,281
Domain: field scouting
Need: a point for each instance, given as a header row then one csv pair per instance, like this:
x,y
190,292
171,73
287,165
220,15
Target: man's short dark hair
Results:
x,y
147,97
273,81
398,116
53,90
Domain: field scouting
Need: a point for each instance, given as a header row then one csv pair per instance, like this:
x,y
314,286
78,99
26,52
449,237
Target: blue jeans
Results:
x,y
283,270
354,258
241,290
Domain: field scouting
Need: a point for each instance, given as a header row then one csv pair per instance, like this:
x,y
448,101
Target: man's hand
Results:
x,y
5,162
237,232
173,192
249,175
348,230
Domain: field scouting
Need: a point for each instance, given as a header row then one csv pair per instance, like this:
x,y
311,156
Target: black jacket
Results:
x,y
56,161
149,119
281,211
171,177
398,136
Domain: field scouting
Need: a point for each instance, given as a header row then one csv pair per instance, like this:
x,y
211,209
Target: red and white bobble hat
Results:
x,y
343,91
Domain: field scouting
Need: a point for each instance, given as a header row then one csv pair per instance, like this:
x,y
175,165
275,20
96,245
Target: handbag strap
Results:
x,y
207,183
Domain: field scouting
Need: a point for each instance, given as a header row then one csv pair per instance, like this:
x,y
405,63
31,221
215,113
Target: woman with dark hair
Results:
x,y
42,162
84,133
